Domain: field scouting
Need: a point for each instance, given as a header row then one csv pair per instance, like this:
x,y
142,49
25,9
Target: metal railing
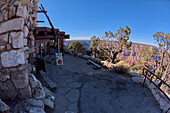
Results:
x,y
150,76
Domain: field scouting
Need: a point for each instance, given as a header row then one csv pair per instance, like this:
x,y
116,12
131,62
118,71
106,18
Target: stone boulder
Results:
x,y
138,79
35,103
79,55
49,98
36,110
86,57
10,92
4,77
108,64
33,81
28,106
19,80
98,61
3,107
133,74
92,58
26,92
38,92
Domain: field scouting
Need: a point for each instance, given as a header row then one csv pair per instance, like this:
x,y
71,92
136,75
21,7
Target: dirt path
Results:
x,y
80,89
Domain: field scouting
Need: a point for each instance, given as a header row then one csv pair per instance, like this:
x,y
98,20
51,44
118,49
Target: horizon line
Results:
x,y
90,39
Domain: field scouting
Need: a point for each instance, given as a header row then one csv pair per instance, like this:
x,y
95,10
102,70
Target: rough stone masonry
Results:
x,y
17,52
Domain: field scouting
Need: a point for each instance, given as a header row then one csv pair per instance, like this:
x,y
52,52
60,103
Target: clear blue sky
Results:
x,y
83,19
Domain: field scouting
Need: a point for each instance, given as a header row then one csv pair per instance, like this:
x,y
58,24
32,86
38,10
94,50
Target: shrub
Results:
x,y
122,63
117,60
76,46
122,67
135,67
158,72
88,52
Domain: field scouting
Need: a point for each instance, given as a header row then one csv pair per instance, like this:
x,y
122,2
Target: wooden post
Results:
x,y
58,44
55,35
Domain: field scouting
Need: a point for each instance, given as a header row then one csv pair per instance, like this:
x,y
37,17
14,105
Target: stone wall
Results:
x,y
17,50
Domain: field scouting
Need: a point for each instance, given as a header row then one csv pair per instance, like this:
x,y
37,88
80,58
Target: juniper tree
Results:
x,y
163,41
95,41
116,43
76,46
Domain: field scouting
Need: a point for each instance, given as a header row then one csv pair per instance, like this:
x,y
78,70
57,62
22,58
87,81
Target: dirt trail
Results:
x,y
81,89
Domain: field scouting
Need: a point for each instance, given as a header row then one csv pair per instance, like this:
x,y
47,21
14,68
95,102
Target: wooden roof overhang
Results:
x,y
45,33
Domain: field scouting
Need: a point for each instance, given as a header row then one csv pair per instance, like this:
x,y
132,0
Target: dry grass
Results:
x,y
122,67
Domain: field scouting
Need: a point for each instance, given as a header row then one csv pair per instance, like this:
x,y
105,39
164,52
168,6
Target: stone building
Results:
x,y
17,52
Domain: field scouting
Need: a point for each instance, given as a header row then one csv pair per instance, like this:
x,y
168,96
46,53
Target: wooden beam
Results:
x,y
51,37
40,21
41,11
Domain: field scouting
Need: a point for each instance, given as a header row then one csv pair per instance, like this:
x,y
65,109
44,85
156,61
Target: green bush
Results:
x,y
135,67
122,67
158,73
76,46
117,60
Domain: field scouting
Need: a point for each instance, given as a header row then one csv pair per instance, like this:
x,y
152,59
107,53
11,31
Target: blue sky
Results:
x,y
83,19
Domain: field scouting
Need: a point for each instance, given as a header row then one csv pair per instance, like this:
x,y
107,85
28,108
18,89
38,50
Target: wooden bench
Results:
x,y
48,81
96,65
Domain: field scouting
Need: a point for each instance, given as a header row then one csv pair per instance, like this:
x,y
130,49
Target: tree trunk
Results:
x,y
165,73
114,56
155,66
95,53
161,63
